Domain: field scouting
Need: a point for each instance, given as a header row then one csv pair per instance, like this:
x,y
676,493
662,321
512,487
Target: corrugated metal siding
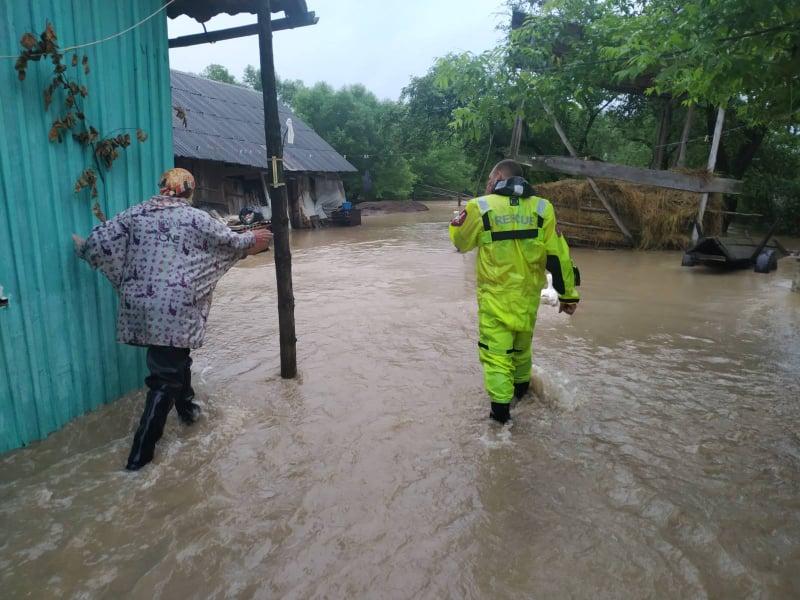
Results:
x,y
58,354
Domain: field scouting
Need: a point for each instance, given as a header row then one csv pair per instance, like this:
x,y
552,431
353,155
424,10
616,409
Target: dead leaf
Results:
x,y
49,34
28,41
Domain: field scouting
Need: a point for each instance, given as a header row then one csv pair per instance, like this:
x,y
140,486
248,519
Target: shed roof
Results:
x,y
203,10
225,123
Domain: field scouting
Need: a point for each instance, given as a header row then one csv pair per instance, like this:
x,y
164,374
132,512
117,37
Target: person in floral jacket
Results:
x,y
164,259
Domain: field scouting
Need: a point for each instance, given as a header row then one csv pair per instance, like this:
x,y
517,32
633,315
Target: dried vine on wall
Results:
x,y
105,150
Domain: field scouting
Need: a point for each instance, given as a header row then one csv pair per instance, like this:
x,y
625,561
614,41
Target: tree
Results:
x,y
218,73
739,54
362,128
286,88
252,77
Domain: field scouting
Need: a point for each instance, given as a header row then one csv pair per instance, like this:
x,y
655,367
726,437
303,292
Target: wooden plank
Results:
x,y
712,162
558,204
587,226
242,31
733,212
591,181
516,136
702,183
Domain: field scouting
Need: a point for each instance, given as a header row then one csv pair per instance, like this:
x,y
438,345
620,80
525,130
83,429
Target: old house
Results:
x,y
221,141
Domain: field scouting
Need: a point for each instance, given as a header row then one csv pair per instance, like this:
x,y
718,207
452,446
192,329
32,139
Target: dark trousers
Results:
x,y
170,371
170,383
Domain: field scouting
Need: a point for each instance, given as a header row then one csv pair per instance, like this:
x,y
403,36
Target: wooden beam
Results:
x,y
712,162
278,196
689,182
516,136
587,226
210,37
591,181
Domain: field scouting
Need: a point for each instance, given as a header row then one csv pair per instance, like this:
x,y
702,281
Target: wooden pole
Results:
x,y
591,181
278,195
687,127
516,136
712,162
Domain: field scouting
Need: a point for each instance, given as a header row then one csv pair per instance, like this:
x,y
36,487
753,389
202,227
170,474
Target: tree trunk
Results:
x,y
687,127
592,117
662,139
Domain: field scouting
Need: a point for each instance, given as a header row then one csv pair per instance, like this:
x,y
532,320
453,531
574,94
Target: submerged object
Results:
x,y
736,253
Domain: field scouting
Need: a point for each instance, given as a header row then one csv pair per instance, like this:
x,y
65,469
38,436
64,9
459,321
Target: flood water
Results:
x,y
659,459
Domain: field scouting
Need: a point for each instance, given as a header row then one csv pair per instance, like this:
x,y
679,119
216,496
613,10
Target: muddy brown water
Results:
x,y
660,458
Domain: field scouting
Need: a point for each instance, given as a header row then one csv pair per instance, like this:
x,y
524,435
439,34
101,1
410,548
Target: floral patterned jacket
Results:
x,y
164,258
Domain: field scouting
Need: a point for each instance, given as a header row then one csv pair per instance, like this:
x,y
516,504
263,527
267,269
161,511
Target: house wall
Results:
x,y
58,355
313,196
227,189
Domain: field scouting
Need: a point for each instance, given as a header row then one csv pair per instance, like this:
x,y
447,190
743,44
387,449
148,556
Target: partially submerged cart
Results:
x,y
736,252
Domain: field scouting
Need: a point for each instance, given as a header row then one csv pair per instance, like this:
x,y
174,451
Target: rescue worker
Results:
x,y
516,236
164,259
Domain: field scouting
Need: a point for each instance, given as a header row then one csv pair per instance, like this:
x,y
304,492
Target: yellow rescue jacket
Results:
x,y
517,240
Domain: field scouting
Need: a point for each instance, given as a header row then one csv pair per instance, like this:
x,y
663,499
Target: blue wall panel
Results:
x,y
58,354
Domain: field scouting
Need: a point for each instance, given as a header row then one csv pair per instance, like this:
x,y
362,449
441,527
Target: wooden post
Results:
x,y
712,162
278,195
687,127
516,136
598,192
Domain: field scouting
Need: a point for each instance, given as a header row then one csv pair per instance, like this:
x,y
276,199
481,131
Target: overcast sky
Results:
x,y
380,43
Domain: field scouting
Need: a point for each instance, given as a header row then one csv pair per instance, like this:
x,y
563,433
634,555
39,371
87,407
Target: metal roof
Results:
x,y
225,123
203,10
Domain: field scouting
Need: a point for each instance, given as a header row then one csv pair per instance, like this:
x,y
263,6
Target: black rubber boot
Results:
x,y
520,389
188,411
151,428
500,412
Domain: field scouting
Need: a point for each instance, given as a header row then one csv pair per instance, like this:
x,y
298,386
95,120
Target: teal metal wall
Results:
x,y
58,354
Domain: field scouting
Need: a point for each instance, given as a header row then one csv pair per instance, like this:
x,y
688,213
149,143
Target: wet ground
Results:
x,y
659,459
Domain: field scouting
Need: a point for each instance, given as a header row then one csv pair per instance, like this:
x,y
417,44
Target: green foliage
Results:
x,y
252,77
287,89
362,128
444,166
218,73
772,186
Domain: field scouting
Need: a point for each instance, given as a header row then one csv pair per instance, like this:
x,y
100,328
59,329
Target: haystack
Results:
x,y
658,218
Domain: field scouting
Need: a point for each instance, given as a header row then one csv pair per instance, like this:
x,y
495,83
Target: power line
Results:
x,y
105,39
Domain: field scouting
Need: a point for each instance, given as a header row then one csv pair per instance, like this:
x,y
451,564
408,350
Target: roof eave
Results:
x,y
204,10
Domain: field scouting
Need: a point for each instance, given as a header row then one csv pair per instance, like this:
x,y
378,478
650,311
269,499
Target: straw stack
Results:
x,y
659,218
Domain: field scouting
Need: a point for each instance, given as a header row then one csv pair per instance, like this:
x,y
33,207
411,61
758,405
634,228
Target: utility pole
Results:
x,y
278,195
